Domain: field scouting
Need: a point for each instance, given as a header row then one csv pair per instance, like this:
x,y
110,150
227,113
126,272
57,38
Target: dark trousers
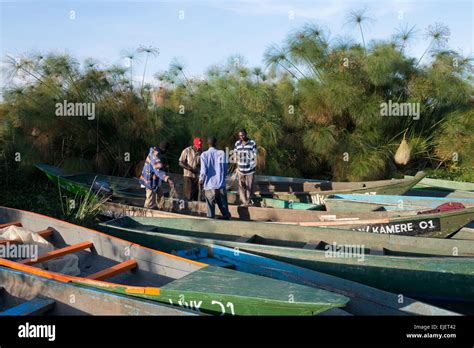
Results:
x,y
191,188
218,196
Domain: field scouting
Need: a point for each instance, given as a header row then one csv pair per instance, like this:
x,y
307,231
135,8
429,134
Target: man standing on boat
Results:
x,y
189,161
212,176
164,146
246,153
151,179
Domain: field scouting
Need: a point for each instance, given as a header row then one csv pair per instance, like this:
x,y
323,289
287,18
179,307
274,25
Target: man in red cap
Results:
x,y
190,162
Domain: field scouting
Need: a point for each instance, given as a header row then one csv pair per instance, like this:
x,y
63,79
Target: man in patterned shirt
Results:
x,y
246,153
151,178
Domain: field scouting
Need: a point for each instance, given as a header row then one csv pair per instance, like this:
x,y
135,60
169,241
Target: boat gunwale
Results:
x,y
69,278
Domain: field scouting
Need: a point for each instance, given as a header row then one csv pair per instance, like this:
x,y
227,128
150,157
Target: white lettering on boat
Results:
x,y
318,199
222,307
412,227
192,305
196,305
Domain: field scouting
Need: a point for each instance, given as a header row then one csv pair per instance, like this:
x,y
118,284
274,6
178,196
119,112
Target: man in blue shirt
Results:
x,y
246,151
212,176
151,178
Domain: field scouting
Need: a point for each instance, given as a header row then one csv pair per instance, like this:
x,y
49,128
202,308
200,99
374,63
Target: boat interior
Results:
x,y
26,294
307,244
100,257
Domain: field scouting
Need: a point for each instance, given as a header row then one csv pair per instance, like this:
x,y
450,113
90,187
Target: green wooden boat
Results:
x,y
346,256
364,300
275,183
300,236
441,193
443,184
129,190
315,192
82,183
122,267
440,225
24,294
364,203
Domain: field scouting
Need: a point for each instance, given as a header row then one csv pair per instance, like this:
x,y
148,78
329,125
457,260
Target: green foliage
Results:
x,y
314,110
82,210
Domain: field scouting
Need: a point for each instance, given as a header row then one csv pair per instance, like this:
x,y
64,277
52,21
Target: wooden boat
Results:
x,y
119,266
289,236
361,202
443,184
364,300
274,183
315,192
129,190
467,232
27,294
385,265
410,222
81,183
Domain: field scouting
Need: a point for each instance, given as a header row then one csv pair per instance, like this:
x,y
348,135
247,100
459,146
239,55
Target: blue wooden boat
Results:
x,y
364,202
364,300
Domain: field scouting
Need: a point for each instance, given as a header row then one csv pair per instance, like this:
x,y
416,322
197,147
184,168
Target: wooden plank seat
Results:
x,y
8,224
245,239
57,253
46,233
114,270
101,275
43,233
33,307
312,244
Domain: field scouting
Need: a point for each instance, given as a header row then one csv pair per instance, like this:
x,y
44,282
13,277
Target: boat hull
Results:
x,y
319,191
453,276
87,301
364,300
436,225
364,203
167,278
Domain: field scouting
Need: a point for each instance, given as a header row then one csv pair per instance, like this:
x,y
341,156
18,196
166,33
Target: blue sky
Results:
x,y
211,31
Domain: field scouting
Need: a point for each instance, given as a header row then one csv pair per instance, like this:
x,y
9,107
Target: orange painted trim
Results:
x,y
67,223
114,270
46,233
58,252
14,223
36,271
67,278
174,256
108,236
143,291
